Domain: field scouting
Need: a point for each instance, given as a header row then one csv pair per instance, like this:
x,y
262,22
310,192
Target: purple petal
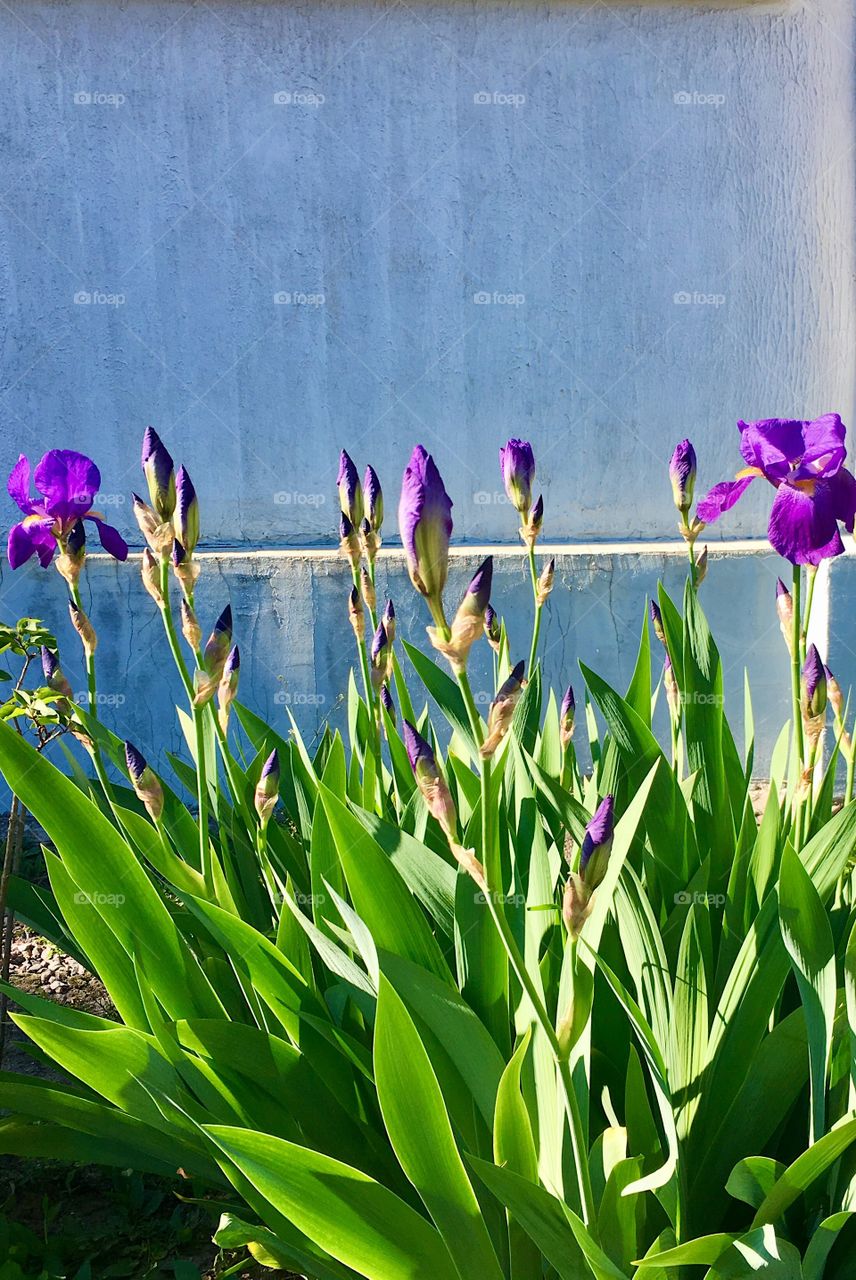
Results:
x,y
18,485
598,830
842,486
69,481
772,445
803,528
418,750
111,540
32,536
425,509
722,498
824,449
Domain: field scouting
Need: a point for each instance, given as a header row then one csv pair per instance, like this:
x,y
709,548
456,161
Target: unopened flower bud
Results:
x,y
150,573
387,702
425,523
185,568
389,621
160,474
492,628
545,584
502,710
186,514
267,788
367,588
72,553
833,693
84,628
54,678
228,686
567,716
158,533
430,780
381,657
373,499
517,463
369,541
190,627
814,690
356,614
349,543
218,645
146,786
469,620
350,493
785,610
597,844
576,904
657,622
682,473
701,567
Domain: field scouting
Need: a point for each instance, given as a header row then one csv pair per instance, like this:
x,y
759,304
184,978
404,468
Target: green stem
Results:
x,y
92,687
371,707
202,800
795,668
536,626
171,635
690,541
812,576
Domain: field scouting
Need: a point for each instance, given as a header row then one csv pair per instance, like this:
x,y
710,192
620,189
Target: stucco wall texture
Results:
x,y
274,229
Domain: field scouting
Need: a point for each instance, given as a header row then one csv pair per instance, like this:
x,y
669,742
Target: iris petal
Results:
x,y
30,537
803,527
69,481
111,540
18,484
842,486
824,450
722,498
772,444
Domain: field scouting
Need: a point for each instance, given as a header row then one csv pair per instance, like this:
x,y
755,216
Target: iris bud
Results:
x,y
567,716
576,905
492,628
386,700
701,567
682,473
267,789
545,584
381,655
425,523
186,515
185,568
160,474
349,543
146,786
389,621
502,710
150,573
367,588
72,553
369,541
218,644
84,628
657,622
158,533
228,687
517,463
190,627
834,694
356,615
530,530
785,611
350,493
469,620
54,678
597,844
673,693
373,495
814,690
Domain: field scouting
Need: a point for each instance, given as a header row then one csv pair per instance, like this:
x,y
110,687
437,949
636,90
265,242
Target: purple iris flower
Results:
x,y
804,461
67,483
517,462
425,523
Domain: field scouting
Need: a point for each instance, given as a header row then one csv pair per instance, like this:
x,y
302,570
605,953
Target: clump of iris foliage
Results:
x,y
432,1002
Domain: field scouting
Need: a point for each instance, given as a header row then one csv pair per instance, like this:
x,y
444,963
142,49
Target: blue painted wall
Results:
x,y
271,229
